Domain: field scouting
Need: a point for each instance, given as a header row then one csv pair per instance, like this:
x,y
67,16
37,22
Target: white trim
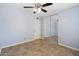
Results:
x,y
0,50
49,36
17,43
68,46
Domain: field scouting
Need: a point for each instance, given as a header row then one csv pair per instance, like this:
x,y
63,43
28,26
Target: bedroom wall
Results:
x,y
15,24
68,30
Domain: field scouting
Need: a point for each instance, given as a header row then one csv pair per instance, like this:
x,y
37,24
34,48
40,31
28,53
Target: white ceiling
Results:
x,y
57,7
53,9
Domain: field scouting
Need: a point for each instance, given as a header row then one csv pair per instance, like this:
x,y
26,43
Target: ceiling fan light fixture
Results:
x,y
39,10
38,7
35,9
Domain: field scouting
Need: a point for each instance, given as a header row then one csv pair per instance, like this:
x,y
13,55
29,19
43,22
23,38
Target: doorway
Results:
x,y
49,26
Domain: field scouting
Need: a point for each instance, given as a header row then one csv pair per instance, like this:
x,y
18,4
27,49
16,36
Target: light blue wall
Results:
x,y
68,30
15,24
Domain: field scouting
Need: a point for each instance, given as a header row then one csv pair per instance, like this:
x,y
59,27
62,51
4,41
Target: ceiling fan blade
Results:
x,y
44,10
28,7
47,4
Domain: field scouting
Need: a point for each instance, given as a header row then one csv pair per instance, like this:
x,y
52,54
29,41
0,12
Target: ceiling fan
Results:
x,y
39,7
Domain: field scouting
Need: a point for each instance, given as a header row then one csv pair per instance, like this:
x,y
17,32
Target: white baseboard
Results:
x,y
68,46
49,36
18,43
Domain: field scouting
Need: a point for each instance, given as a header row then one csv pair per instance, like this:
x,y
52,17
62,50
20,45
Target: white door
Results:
x,y
54,22
46,27
37,30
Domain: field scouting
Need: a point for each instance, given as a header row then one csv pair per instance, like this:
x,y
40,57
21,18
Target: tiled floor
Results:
x,y
40,47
